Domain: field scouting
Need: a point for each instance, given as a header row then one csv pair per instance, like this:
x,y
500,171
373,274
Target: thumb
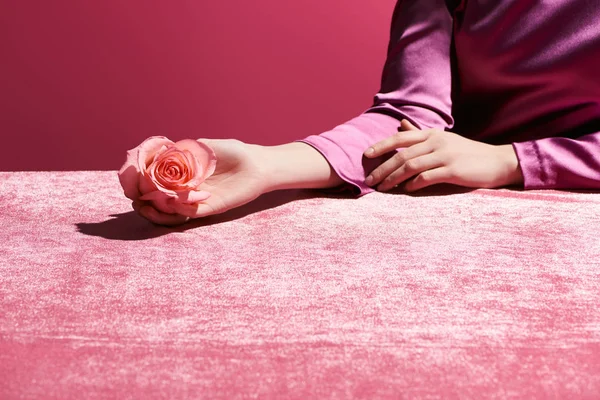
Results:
x,y
406,125
205,141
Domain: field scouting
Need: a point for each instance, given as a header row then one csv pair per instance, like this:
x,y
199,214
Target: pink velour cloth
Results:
x,y
446,294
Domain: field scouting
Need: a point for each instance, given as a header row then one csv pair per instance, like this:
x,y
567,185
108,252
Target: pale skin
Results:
x,y
425,157
432,156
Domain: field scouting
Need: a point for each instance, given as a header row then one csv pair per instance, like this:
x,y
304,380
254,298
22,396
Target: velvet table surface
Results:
x,y
446,294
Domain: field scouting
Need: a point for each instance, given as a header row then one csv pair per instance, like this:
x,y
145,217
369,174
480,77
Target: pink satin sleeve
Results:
x,y
415,84
560,163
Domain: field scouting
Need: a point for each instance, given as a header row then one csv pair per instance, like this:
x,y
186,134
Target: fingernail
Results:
x,y
369,180
370,151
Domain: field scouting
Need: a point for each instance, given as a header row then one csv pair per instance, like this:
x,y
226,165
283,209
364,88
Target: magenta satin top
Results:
x,y
525,72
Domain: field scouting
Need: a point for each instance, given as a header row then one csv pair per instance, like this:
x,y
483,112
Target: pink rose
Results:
x,y
164,174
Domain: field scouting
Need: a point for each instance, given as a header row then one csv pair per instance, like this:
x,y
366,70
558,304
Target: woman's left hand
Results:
x,y
429,157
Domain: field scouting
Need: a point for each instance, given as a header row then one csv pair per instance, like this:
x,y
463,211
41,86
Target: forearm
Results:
x,y
295,166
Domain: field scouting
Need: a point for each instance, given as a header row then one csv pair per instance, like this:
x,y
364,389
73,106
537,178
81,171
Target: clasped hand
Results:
x,y
432,156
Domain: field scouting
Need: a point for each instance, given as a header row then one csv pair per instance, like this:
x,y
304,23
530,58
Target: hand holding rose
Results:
x,y
429,157
165,175
170,183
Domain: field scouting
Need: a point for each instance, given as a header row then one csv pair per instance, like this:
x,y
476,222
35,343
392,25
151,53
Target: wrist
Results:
x,y
294,165
513,175
263,159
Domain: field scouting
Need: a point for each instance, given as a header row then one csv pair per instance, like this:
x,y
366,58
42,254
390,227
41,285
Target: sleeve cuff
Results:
x,y
351,186
536,175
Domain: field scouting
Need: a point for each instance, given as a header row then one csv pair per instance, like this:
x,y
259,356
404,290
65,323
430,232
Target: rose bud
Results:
x,y
162,173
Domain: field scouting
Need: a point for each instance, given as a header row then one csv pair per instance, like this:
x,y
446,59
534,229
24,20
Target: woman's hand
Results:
x,y
237,180
429,157
246,171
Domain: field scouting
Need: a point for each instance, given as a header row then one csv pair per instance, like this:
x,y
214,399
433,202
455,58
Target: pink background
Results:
x,y
82,82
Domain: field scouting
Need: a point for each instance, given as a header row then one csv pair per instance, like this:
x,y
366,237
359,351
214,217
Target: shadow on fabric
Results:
x,y
442,189
131,226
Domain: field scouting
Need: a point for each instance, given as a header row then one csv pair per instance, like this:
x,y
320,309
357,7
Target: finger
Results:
x,y
428,178
406,125
137,205
195,210
160,218
397,160
399,139
410,168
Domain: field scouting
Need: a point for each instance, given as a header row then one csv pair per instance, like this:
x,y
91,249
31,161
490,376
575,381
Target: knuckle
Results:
x,y
452,172
392,142
390,177
423,177
427,134
439,139
376,174
411,165
399,158
389,180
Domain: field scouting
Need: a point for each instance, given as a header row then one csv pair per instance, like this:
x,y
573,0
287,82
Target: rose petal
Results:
x,y
193,176
148,149
146,184
203,153
192,196
173,157
160,151
129,175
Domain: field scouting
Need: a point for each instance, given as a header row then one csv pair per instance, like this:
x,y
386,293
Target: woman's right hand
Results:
x,y
239,178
